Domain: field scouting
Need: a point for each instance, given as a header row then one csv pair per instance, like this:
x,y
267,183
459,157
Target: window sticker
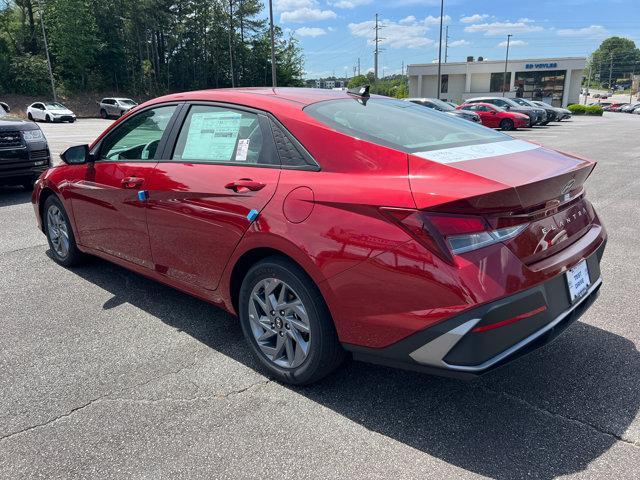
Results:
x,y
243,150
212,136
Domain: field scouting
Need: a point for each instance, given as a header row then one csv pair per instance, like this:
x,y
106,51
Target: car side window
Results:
x,y
221,135
138,137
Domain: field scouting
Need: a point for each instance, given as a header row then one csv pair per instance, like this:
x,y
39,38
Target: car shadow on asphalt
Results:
x,y
547,414
10,196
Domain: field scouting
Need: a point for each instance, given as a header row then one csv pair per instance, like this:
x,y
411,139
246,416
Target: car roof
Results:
x,y
261,97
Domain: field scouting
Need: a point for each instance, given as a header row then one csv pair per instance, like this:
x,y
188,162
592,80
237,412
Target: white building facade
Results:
x,y
553,80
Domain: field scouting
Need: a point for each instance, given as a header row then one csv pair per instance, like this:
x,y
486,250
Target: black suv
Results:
x,y
24,153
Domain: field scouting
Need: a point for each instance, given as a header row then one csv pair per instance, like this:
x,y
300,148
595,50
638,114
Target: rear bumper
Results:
x,y
460,347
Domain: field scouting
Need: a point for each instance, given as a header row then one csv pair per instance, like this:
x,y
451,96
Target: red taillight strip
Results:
x,y
509,321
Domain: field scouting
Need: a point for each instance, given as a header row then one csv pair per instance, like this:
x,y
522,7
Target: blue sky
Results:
x,y
334,33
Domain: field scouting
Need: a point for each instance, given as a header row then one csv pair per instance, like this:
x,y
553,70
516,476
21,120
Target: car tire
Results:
x,y
73,120
545,123
29,116
103,113
296,345
57,228
507,124
47,119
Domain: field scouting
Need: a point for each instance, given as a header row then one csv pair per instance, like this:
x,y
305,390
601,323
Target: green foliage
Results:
x,y
146,47
30,74
393,86
578,109
617,54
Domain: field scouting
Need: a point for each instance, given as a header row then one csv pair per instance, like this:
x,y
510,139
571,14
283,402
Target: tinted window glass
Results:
x,y
220,135
138,137
401,125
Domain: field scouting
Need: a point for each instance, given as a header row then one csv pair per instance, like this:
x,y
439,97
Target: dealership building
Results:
x,y
553,80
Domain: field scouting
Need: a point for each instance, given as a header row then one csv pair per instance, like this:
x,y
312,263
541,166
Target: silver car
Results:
x,y
115,107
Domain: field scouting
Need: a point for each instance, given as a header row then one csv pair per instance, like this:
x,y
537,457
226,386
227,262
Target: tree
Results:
x,y
616,54
146,47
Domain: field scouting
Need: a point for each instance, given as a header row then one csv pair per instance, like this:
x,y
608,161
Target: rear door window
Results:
x,y
222,136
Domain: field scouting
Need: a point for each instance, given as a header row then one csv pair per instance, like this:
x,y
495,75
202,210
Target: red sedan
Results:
x,y
495,117
335,223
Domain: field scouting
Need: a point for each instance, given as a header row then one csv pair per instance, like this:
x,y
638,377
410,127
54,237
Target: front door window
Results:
x,y
137,138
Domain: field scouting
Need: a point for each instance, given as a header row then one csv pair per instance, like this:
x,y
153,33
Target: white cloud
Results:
x,y
310,32
459,43
431,21
407,33
306,15
350,4
591,31
477,17
289,5
513,43
504,28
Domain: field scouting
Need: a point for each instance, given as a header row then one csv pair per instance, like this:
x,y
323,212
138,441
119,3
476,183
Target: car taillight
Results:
x,y
448,235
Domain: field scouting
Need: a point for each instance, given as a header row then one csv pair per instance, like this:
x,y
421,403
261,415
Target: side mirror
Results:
x,y
76,155
5,107
507,107
493,112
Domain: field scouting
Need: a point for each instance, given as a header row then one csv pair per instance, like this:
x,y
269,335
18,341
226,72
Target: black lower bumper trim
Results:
x,y
471,354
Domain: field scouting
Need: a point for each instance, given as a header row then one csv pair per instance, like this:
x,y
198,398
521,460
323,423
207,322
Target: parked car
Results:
x,y
334,222
630,107
550,111
115,107
536,115
441,106
50,112
496,117
24,153
614,107
561,113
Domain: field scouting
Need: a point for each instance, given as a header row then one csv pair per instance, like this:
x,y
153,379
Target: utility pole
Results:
x,y
274,80
439,86
506,62
633,73
446,45
586,93
610,70
402,69
376,51
46,49
358,66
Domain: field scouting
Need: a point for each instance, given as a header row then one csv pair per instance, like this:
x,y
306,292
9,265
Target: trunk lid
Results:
x,y
509,183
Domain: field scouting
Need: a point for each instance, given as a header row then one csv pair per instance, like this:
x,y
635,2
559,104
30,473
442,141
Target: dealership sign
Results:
x,y
530,66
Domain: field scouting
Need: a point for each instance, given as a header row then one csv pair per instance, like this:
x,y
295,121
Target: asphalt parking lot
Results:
x,y
104,374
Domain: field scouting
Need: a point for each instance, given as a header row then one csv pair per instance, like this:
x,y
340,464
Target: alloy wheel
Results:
x,y
58,231
279,323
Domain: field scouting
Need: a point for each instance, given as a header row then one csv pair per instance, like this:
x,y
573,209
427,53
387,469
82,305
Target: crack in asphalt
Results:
x,y
96,400
7,252
551,414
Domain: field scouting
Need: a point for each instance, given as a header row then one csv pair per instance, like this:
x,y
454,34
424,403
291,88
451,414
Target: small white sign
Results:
x,y
242,150
578,280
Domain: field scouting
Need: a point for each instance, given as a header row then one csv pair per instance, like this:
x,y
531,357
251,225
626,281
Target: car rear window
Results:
x,y
401,125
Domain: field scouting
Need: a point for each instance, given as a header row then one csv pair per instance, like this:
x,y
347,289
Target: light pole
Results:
x,y
274,80
46,49
506,62
439,87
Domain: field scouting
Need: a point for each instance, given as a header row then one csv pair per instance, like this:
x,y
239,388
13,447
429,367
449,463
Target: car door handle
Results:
x,y
132,182
245,185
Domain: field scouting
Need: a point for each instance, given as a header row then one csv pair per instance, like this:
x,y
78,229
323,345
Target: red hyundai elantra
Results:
x,y
495,117
334,222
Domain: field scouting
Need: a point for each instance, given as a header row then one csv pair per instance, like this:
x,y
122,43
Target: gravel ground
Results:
x,y
104,374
